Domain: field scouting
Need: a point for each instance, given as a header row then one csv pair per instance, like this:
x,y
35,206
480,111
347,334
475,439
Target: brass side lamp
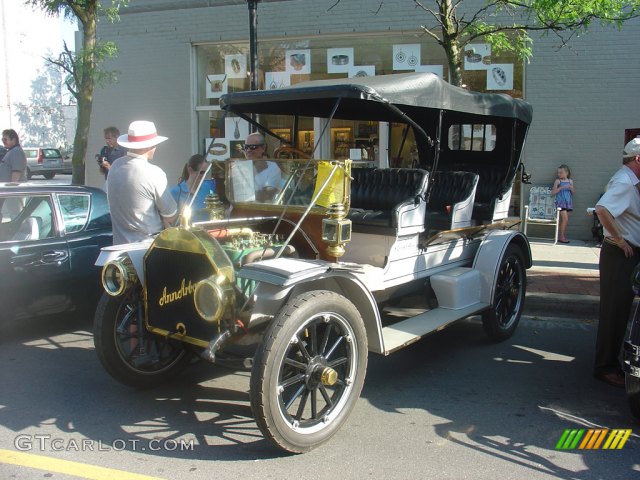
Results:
x,y
336,230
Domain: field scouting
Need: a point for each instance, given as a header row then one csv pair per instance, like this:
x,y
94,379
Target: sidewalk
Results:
x,y
564,268
564,280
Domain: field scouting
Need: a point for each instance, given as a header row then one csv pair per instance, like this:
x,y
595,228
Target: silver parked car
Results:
x,y
43,161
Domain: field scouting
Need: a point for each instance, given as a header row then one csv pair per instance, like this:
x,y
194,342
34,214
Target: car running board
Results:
x,y
411,330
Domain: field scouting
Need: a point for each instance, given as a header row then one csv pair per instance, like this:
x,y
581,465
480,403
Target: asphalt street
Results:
x,y
451,406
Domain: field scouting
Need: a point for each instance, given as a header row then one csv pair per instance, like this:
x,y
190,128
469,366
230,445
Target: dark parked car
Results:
x,y
44,161
50,237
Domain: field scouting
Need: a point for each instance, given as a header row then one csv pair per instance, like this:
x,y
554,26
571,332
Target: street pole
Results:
x,y
253,42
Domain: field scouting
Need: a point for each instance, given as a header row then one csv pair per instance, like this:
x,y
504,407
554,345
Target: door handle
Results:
x,y
54,256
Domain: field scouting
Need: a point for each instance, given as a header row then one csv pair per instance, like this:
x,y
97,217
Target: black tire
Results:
x,y
49,176
118,345
633,394
502,318
294,408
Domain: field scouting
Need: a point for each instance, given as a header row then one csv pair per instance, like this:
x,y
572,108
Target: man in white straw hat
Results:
x,y
140,202
619,213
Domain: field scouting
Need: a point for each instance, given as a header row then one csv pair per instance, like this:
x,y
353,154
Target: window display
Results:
x,y
223,68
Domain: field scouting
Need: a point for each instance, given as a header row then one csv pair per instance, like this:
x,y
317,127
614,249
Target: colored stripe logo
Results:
x,y
593,439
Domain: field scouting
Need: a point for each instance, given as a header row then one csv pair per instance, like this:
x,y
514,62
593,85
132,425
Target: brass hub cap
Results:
x,y
329,376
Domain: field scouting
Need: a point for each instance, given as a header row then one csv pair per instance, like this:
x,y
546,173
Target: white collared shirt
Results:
x,y
622,200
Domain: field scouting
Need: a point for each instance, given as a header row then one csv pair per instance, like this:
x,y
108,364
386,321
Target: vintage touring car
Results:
x,y
318,272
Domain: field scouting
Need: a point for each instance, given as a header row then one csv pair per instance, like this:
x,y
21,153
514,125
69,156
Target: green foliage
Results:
x,y
507,24
82,68
77,8
85,63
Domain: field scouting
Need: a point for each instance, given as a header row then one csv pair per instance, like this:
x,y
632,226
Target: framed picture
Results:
x,y
306,141
500,77
218,149
362,71
406,57
298,61
236,149
216,85
235,128
235,66
341,142
339,60
477,56
275,80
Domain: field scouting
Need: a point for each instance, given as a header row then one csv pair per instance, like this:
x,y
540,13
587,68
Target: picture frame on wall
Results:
x,y
236,128
339,60
218,150
235,66
362,71
341,141
406,56
275,80
477,56
298,61
500,77
216,85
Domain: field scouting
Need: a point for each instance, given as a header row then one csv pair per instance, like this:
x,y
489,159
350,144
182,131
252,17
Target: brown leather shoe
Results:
x,y
614,379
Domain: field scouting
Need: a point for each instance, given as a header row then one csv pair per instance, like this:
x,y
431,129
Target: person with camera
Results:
x,y
111,151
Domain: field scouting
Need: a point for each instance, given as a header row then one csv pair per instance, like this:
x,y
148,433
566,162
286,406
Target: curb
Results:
x,y
562,305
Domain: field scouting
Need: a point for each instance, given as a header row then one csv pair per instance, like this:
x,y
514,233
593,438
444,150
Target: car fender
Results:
x,y
488,256
284,278
135,252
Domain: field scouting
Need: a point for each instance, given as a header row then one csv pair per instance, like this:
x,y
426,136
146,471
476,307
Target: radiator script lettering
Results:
x,y
183,291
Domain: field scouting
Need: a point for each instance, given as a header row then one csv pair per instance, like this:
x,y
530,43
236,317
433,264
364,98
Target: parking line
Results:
x,y
82,470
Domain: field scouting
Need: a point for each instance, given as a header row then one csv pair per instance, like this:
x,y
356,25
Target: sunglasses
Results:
x,y
253,147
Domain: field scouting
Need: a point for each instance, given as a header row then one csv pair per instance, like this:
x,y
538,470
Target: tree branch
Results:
x,y
331,7
436,16
379,8
431,34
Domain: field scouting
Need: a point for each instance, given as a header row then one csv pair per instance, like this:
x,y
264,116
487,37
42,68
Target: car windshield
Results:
x,y
272,181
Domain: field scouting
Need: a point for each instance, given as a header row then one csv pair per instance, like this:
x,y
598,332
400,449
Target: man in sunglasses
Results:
x,y
268,177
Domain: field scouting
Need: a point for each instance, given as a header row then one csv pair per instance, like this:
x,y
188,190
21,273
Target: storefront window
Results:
x,y
224,68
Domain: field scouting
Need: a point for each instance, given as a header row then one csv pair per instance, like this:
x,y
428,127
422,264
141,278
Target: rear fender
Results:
x,y
489,255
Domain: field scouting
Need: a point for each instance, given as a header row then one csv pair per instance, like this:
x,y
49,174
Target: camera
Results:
x,y
100,159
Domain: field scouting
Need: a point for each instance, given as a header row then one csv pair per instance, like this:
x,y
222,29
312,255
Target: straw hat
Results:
x,y
142,134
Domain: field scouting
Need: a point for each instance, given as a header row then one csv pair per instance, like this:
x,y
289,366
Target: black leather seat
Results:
x,y
376,193
490,181
451,192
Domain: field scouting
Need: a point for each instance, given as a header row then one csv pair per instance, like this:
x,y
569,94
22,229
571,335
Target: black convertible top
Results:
x,y
382,98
